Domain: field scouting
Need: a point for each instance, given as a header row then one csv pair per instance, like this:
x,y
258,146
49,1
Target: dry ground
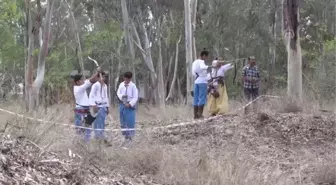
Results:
x,y
269,148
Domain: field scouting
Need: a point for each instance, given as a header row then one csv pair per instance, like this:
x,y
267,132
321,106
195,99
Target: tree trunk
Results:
x,y
294,58
79,46
29,62
147,56
189,50
128,37
193,19
272,48
160,81
172,86
33,90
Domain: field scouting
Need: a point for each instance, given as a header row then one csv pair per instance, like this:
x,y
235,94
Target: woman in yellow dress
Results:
x,y
218,101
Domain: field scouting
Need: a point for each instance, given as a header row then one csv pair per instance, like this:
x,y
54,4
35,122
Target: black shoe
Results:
x,y
196,112
200,111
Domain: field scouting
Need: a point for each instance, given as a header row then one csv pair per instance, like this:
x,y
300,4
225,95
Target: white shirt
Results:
x,y
130,90
220,72
200,68
81,97
98,95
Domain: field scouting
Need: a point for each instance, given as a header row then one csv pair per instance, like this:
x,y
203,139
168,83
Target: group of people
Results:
x,y
92,108
209,91
210,87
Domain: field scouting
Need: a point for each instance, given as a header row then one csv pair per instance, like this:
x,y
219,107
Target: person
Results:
x,y
128,95
199,71
99,104
82,100
217,97
251,78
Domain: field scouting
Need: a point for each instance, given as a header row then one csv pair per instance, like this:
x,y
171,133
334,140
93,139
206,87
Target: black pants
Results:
x,y
251,94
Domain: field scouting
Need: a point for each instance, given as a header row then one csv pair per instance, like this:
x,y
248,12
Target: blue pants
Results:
x,y
79,120
99,123
251,94
127,120
200,94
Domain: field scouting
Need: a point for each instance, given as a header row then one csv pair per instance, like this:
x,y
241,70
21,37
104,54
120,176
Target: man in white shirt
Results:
x,y
199,71
82,100
128,96
99,102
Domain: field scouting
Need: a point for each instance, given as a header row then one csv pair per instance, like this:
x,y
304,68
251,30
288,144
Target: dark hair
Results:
x,y
77,77
204,53
128,75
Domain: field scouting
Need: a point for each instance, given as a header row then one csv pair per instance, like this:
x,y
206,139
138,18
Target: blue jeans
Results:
x,y
79,120
251,94
99,123
200,94
127,120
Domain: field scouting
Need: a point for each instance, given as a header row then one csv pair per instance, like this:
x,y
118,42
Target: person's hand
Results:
x,y
209,69
128,105
95,108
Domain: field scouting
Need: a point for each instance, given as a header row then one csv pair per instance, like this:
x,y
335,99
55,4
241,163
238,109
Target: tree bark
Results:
x,y
160,81
193,19
29,62
128,36
172,86
147,56
42,54
79,46
294,58
189,50
272,48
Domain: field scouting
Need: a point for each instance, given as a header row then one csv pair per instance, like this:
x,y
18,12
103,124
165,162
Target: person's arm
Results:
x,y
93,94
135,96
87,83
107,98
258,75
202,65
119,91
84,86
227,67
193,70
244,75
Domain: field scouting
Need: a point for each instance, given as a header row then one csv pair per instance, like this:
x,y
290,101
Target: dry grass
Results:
x,y
237,150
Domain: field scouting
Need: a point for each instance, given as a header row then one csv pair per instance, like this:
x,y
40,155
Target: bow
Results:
x,y
235,74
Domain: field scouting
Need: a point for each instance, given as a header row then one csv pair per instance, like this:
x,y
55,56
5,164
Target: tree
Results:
x,y
188,45
33,87
294,58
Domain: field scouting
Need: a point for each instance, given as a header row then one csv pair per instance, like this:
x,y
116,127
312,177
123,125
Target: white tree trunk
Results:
x,y
160,82
272,48
193,19
128,37
189,50
172,86
37,84
293,47
79,54
147,56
